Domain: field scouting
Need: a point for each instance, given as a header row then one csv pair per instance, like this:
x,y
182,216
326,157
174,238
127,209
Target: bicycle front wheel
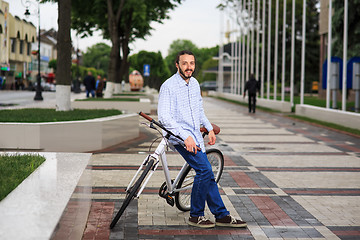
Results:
x,y
133,190
183,197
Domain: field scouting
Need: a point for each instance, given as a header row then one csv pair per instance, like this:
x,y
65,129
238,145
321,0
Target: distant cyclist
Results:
x,y
181,111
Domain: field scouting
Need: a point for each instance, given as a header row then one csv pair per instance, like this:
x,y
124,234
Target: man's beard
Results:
x,y
183,74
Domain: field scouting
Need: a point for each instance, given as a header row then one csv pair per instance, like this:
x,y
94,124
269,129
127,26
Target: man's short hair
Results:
x,y
183,52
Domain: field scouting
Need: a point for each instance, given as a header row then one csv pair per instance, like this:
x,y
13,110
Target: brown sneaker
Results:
x,y
229,221
201,222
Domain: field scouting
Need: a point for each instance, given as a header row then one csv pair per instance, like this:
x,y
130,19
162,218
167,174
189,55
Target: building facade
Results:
x,y
16,37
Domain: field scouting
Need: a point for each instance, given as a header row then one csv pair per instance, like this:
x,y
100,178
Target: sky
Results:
x,y
194,20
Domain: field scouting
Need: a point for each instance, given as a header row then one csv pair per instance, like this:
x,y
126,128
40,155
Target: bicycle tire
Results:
x,y
129,197
182,198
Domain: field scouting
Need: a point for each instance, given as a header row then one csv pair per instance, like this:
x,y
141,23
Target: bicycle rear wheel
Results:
x,y
183,197
133,190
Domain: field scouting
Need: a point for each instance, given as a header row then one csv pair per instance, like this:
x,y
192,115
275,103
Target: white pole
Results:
x,y
243,54
239,64
269,53
263,50
221,51
283,54
252,35
257,40
329,57
248,33
292,55
345,54
276,48
235,65
240,52
232,64
302,82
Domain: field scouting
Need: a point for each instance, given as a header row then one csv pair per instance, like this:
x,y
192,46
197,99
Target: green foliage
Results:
x,y
121,27
353,28
201,54
210,63
98,56
159,71
175,47
33,115
53,64
16,168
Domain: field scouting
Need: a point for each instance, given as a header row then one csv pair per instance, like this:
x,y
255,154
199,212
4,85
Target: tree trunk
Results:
x,y
113,23
63,73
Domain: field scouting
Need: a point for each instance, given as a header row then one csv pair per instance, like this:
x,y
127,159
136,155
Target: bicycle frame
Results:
x,y
159,156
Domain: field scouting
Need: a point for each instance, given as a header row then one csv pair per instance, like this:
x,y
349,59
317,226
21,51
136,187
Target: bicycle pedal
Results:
x,y
170,200
162,190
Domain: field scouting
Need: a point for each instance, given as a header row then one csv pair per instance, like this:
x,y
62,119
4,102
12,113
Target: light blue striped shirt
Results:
x,y
180,109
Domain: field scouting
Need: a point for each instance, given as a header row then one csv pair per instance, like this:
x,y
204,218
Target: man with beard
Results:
x,y
181,111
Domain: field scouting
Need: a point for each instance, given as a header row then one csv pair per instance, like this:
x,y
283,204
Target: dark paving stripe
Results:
x,y
127,226
145,231
323,191
125,167
121,190
271,210
291,233
247,142
300,153
346,232
308,169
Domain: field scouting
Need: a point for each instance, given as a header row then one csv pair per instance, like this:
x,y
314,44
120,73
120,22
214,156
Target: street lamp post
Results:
x,y
38,95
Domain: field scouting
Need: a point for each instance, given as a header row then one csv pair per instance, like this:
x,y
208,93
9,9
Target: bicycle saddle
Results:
x,y
216,129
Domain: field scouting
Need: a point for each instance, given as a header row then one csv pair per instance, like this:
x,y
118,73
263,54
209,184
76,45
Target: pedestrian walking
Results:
x,y
99,86
89,82
180,110
252,86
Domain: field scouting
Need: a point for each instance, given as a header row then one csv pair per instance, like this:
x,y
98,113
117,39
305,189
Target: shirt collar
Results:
x,y
181,81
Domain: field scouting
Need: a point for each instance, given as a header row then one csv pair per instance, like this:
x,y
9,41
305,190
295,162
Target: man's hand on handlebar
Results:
x,y
190,145
212,138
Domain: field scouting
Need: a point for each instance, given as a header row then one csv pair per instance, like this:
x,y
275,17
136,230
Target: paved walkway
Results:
x,y
287,179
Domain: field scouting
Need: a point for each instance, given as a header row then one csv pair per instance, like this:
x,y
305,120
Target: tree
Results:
x,y
53,64
175,47
63,76
353,28
201,55
159,72
121,22
97,56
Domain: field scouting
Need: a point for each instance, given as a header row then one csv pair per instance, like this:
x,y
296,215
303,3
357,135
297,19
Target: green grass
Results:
x,y
110,99
315,101
35,115
129,94
327,124
14,169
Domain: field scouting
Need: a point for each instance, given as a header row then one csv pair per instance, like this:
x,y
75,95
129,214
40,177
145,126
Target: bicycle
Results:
x,y
175,191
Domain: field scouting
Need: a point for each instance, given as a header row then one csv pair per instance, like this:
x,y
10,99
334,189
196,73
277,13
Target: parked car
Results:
x,y
208,86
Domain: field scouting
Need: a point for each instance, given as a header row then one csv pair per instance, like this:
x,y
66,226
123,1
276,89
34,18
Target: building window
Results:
x,y
28,48
21,46
13,45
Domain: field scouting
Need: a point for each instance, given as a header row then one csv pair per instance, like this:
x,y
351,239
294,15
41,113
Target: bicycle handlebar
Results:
x,y
147,117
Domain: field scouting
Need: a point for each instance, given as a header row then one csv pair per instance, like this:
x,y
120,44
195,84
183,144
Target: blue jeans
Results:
x,y
90,91
204,188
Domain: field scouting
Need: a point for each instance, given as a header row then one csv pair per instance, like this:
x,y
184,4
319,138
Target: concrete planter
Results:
x,y
144,105
72,136
348,119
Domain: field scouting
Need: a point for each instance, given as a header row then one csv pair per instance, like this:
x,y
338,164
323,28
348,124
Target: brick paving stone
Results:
x,y
285,178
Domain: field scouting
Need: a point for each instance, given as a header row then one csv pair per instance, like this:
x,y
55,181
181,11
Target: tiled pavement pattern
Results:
x,y
287,179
